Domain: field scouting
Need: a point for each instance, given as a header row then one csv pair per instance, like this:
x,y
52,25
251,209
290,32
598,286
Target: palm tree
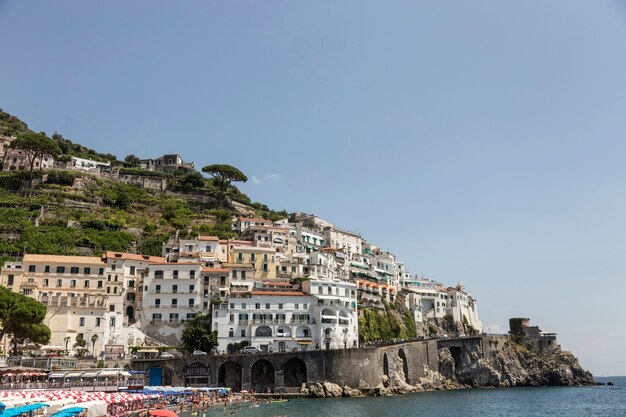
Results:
x,y
66,339
94,339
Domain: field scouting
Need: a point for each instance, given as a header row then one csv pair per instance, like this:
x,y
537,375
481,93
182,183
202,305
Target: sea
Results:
x,y
484,402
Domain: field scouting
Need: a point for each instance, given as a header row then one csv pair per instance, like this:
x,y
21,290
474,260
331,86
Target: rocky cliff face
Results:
x,y
513,365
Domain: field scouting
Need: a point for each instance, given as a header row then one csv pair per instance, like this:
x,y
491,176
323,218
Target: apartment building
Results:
x,y
262,259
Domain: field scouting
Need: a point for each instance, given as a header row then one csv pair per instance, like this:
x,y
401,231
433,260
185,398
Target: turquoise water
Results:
x,y
513,402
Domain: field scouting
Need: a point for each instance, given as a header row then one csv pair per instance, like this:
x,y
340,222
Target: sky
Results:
x,y
481,142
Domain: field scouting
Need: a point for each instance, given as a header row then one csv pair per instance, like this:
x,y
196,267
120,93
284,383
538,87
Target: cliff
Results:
x,y
513,365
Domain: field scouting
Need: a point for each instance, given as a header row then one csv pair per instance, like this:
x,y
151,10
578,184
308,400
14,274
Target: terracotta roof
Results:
x,y
61,258
279,293
177,263
208,238
133,257
225,270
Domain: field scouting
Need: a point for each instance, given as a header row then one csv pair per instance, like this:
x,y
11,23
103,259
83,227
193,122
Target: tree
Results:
x,y
131,160
223,175
94,339
35,146
66,339
198,334
22,317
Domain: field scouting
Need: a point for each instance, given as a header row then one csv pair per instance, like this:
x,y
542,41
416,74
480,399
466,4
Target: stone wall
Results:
x,y
284,372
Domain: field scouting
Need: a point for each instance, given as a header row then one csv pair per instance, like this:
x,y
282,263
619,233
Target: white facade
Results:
x,y
273,321
88,164
335,311
350,242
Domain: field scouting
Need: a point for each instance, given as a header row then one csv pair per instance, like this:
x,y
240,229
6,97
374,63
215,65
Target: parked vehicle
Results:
x,y
166,355
198,353
251,349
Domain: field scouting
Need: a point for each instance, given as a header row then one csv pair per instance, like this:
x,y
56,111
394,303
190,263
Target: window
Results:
x,y
265,257
264,267
252,257
232,306
243,332
112,308
27,291
174,302
100,284
173,317
81,321
280,306
86,283
10,279
207,248
175,289
223,280
158,274
240,256
191,316
132,270
114,290
192,274
74,270
87,271
59,282
330,290
131,284
100,271
175,274
296,306
73,283
244,306
191,303
267,306
60,270
130,296
45,281
46,268
157,289
192,288
157,303
156,317
257,306
243,274
235,274
112,322
32,268
231,332
98,319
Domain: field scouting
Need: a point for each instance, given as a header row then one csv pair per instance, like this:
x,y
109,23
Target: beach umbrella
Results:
x,y
163,413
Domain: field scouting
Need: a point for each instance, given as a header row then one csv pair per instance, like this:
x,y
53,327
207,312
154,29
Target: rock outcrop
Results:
x,y
513,365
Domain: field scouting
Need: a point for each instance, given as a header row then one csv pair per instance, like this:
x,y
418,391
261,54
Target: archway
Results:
x,y
229,375
196,374
402,366
130,314
262,376
385,365
294,372
263,331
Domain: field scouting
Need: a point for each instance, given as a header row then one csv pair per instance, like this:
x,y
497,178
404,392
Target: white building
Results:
x,y
84,164
273,321
171,296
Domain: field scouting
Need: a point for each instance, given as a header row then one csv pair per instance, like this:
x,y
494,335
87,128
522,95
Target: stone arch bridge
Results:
x,y
287,371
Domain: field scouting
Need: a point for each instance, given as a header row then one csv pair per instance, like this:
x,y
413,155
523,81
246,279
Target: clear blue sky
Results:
x,y
482,142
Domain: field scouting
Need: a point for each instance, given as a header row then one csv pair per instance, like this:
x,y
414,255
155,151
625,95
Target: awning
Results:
x,y
124,373
305,342
148,351
73,375
90,374
57,375
108,373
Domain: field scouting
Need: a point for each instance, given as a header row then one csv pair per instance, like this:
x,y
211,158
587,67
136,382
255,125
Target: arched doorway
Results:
x,y
294,372
130,314
262,376
402,366
229,375
196,375
385,365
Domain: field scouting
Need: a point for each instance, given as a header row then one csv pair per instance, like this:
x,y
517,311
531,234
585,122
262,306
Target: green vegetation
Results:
x,y
76,213
21,317
223,176
35,146
198,335
386,326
